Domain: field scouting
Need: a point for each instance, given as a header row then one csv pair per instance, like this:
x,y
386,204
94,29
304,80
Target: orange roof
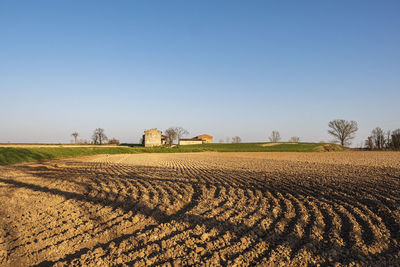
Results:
x,y
204,136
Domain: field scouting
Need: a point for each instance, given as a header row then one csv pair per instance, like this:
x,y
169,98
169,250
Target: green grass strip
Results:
x,y
11,155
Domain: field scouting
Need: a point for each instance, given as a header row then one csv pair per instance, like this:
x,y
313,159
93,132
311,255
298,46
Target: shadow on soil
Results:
x,y
334,199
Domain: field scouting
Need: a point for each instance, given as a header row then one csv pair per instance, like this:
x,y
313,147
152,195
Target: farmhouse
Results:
x,y
153,137
198,140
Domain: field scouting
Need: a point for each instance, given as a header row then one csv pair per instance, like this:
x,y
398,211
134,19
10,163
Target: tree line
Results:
x,y
342,131
380,139
99,137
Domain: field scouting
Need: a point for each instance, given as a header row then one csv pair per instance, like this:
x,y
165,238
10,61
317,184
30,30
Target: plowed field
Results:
x,y
203,208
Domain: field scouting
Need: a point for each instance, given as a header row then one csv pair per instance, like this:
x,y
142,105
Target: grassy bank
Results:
x,y
254,147
11,155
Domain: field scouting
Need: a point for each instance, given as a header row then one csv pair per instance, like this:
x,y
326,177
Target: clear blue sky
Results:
x,y
224,68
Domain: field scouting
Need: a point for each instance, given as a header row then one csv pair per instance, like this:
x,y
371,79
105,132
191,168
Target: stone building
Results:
x,y
153,137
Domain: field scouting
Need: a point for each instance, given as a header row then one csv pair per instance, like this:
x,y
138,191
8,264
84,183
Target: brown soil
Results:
x,y
203,208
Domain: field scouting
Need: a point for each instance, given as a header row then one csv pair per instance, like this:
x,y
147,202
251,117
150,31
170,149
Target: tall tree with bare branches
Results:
x,y
75,135
180,132
171,135
395,140
343,131
99,136
275,136
378,136
174,133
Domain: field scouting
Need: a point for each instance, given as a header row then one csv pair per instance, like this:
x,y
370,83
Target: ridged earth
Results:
x,y
203,208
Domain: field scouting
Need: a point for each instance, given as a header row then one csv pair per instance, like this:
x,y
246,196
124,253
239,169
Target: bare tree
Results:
x,y
388,142
236,139
294,139
75,135
221,141
174,133
227,140
395,144
95,138
378,137
99,137
369,143
180,132
171,135
275,136
343,131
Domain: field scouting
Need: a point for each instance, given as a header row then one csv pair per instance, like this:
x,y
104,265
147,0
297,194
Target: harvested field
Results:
x,y
212,208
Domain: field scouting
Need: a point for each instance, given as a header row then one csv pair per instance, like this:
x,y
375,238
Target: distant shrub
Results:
x,y
236,139
83,142
113,141
329,148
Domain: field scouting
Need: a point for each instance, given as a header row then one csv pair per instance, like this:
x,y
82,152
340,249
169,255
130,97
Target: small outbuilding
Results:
x,y
198,140
192,141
